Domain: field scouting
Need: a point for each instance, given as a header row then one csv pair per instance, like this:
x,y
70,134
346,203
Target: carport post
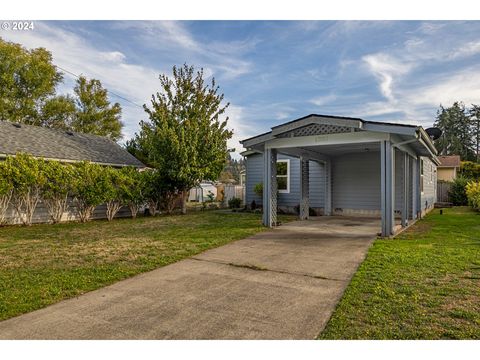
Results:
x,y
387,187
328,188
414,188
405,189
270,187
304,190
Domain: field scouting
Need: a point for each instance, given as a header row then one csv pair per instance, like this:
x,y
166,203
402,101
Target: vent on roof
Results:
x,y
17,125
69,133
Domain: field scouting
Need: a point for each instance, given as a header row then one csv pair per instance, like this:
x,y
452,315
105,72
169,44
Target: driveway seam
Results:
x,y
259,268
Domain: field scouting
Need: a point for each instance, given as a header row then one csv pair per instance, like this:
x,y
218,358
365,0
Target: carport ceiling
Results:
x,y
336,150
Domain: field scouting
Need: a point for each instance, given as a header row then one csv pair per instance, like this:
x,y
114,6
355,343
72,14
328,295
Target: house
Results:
x,y
334,165
448,168
63,146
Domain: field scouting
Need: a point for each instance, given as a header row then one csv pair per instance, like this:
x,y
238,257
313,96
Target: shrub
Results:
x,y
470,170
234,203
6,191
133,189
258,189
89,188
473,194
152,191
457,191
56,188
115,183
27,177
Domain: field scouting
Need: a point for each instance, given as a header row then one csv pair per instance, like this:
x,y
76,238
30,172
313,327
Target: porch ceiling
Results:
x,y
333,150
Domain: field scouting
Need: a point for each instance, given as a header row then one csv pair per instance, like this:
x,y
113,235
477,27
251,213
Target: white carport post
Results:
x,y
406,182
415,188
304,190
387,168
328,188
270,187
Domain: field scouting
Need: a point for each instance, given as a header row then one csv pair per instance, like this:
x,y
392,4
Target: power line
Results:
x,y
109,91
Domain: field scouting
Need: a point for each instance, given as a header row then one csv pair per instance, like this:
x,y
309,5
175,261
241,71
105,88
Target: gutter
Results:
x,y
4,156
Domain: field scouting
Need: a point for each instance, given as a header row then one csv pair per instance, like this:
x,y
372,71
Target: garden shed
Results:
x,y
331,165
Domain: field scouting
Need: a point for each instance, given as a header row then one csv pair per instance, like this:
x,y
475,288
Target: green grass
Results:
x,y
43,264
424,284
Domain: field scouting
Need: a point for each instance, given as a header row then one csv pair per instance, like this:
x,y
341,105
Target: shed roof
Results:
x,y
449,161
62,145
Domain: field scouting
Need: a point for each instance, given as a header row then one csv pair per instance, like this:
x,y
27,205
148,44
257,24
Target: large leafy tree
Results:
x,y
27,79
58,112
456,136
185,137
95,114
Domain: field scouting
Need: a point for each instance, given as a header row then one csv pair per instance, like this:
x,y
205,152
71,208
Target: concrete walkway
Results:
x,y
279,284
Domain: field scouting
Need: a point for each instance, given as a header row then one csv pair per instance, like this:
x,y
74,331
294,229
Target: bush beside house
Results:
x,y
26,180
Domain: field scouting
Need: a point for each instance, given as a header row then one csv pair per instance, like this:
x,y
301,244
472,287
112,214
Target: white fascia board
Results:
x,y
256,140
250,152
387,128
328,139
316,120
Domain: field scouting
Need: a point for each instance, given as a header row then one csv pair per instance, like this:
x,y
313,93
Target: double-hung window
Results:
x,y
283,175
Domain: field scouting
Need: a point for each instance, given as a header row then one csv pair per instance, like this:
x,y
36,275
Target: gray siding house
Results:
x,y
63,146
342,166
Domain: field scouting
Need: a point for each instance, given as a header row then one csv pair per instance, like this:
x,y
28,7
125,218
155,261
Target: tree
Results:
x,y
56,188
456,136
475,118
27,78
89,188
185,137
95,114
27,177
6,191
58,112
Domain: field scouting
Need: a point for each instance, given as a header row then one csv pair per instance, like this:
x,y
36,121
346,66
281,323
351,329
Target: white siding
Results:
x,y
429,194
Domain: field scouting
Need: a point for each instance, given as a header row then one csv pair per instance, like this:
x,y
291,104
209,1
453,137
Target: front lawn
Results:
x,y
424,284
42,264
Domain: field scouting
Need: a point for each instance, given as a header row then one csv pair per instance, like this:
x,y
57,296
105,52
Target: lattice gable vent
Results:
x,y
317,129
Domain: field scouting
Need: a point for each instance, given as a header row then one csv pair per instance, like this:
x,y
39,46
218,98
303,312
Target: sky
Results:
x,y
276,71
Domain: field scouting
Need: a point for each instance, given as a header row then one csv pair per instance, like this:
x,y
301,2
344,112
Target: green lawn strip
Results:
x,y
43,264
424,284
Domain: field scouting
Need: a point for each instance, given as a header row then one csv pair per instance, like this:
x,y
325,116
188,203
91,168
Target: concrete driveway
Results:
x,y
279,284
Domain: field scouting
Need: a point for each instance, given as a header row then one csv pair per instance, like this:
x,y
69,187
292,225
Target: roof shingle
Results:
x,y
449,161
61,145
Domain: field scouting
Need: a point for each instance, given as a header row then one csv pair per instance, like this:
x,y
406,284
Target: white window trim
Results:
x,y
287,191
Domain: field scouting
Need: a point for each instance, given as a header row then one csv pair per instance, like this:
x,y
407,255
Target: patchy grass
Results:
x,y
43,264
424,284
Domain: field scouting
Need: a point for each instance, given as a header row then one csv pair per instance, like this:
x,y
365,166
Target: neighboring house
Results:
x,y
448,168
343,166
63,146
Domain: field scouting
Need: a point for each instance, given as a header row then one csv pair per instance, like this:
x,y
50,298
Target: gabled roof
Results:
x,y
55,144
449,161
332,124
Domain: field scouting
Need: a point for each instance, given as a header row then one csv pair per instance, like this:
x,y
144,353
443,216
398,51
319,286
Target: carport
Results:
x,y
396,156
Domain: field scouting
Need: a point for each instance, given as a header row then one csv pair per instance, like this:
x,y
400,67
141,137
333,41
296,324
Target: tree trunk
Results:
x,y
184,201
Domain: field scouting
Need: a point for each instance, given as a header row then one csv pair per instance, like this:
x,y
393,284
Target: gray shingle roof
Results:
x,y
61,145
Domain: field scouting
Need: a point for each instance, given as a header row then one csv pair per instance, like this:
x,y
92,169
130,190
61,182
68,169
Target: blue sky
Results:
x,y
275,71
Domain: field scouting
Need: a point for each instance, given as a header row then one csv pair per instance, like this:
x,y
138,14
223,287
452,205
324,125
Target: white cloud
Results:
x,y
323,100
386,69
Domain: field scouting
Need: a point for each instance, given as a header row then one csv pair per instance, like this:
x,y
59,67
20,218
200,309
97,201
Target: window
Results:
x,y
421,176
283,176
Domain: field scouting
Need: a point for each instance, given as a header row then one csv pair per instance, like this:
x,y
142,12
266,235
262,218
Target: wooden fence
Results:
x,y
443,188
